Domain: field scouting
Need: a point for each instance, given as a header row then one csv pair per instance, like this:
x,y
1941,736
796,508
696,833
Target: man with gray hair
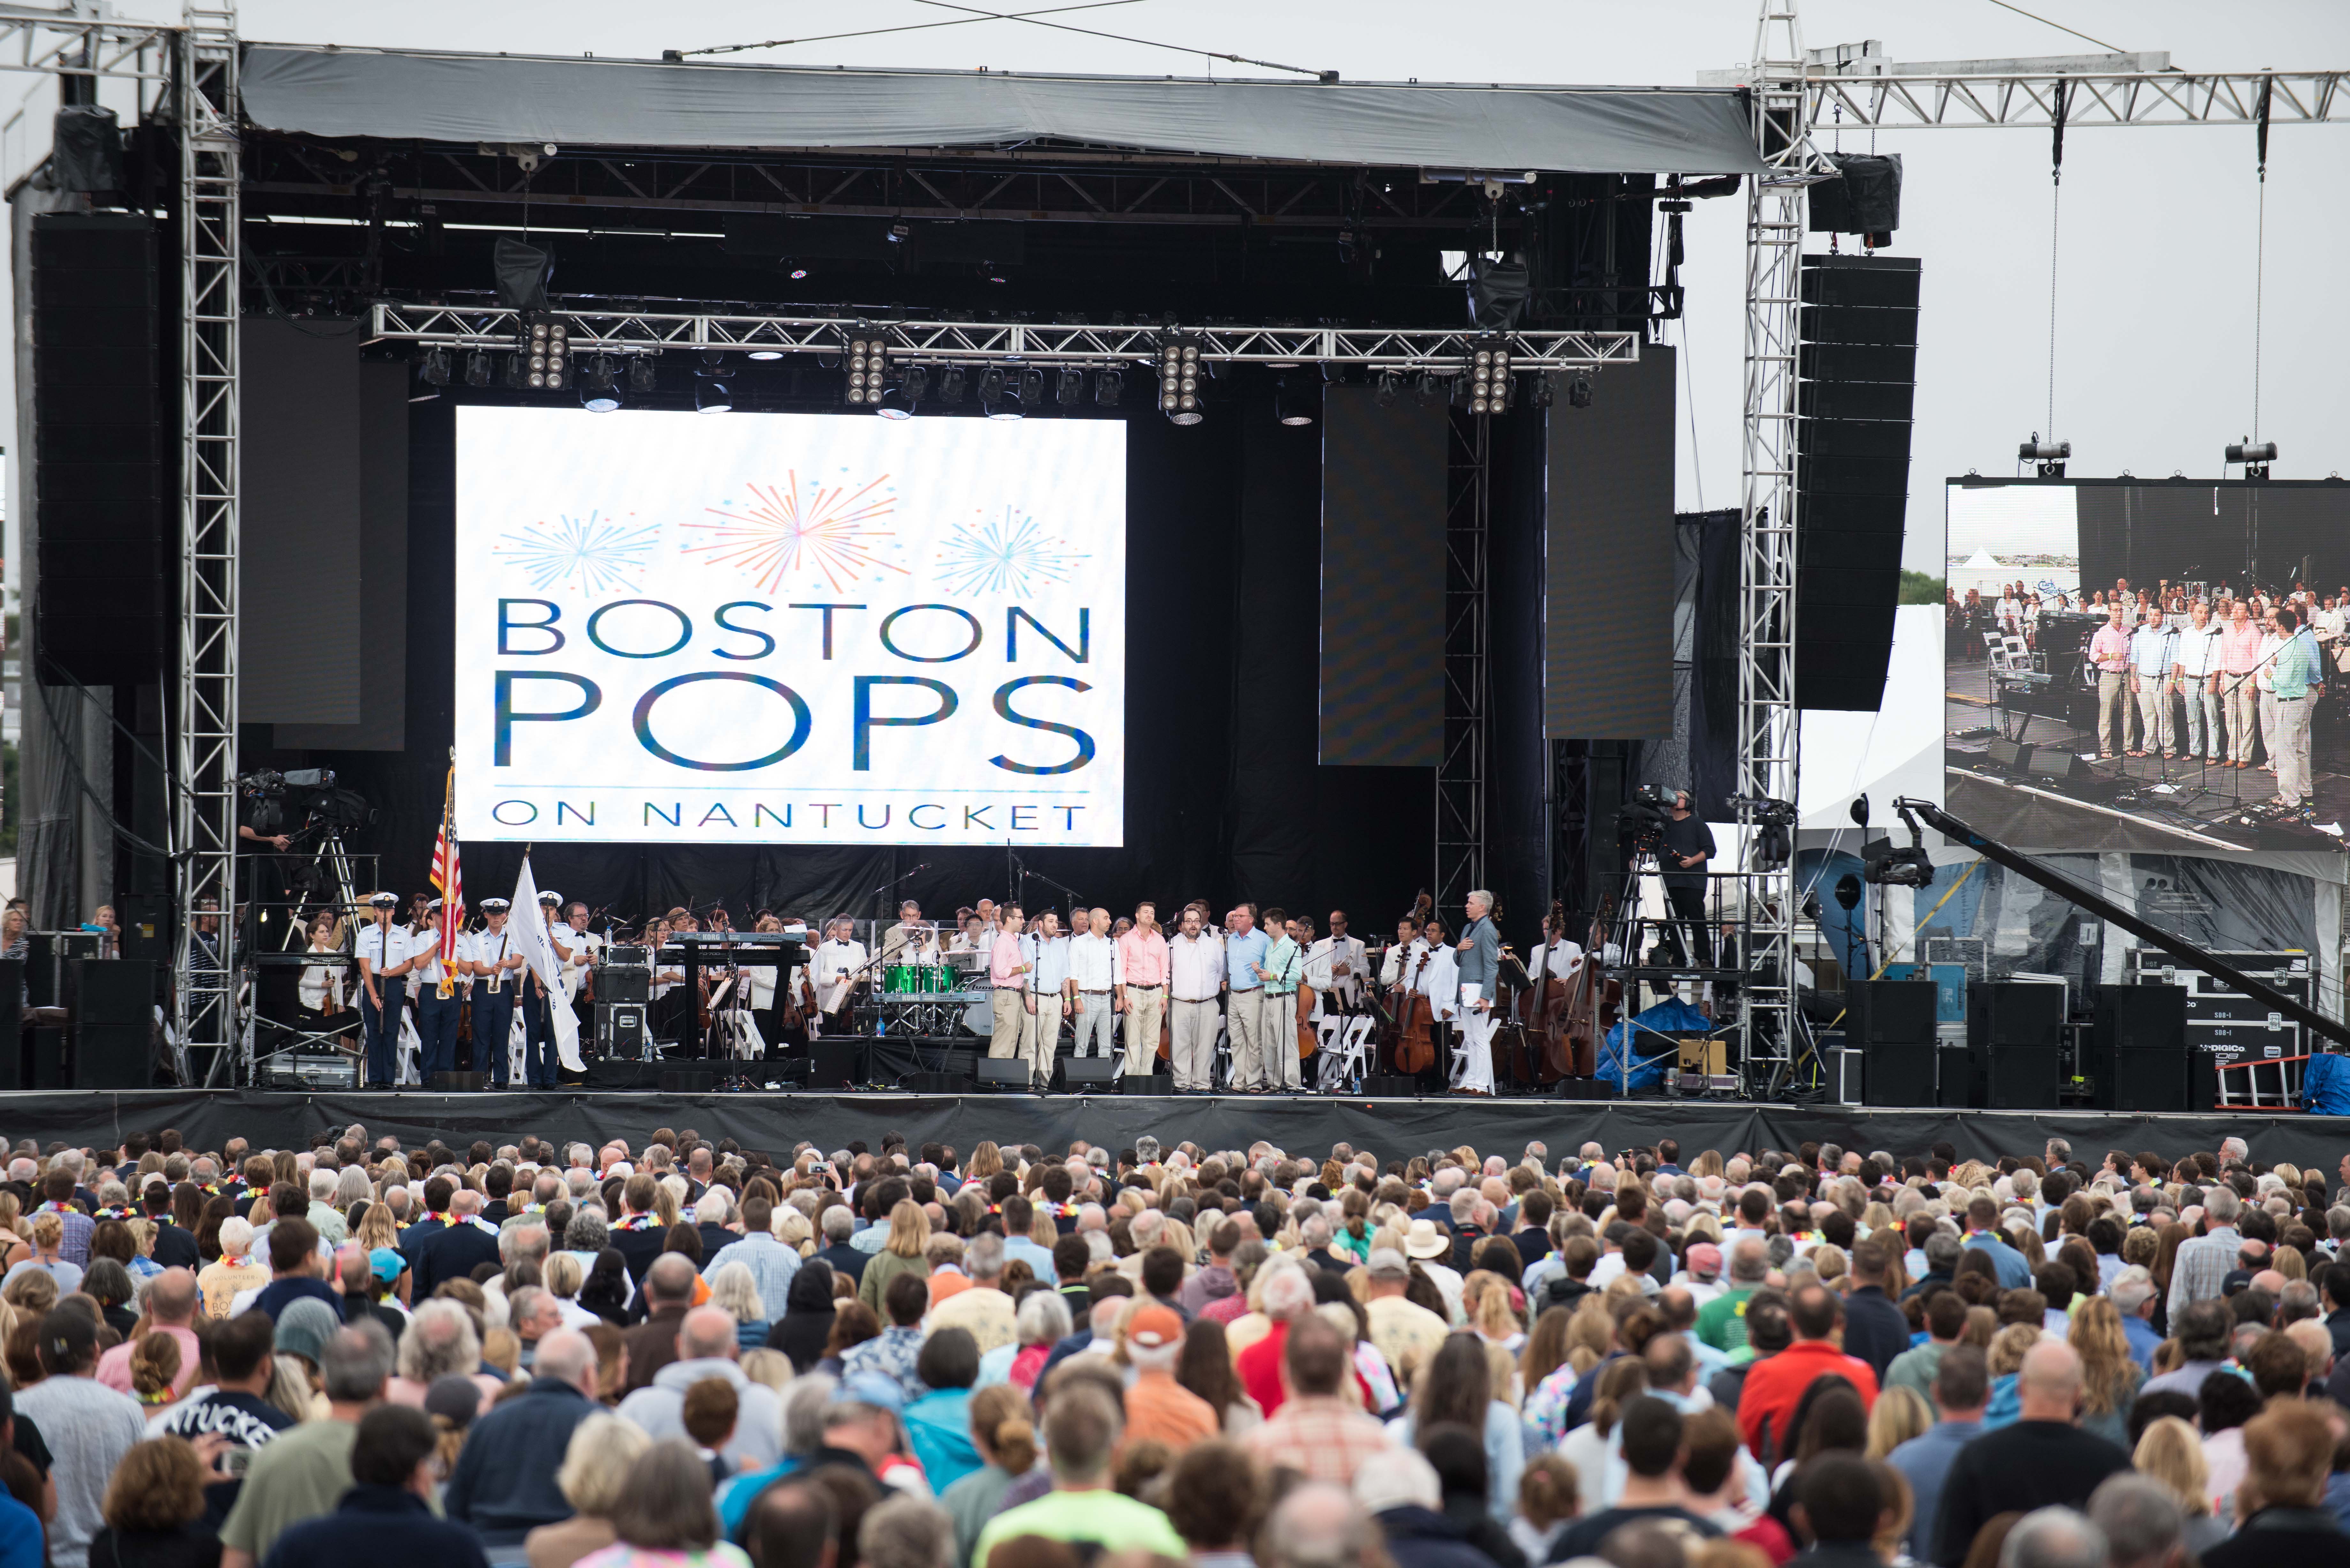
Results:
x,y
984,1310
1320,1525
504,1485
2143,1524
2054,1538
904,1532
300,1473
2205,1262
706,1348
322,1215
1479,964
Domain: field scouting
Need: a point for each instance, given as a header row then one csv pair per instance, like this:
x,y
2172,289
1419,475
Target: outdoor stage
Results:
x,y
1302,1123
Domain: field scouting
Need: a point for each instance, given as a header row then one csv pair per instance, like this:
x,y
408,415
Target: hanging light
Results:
x,y
950,385
1032,391
644,375
1178,379
598,387
1296,399
711,394
1109,387
477,368
1390,388
1070,389
1489,375
866,364
994,400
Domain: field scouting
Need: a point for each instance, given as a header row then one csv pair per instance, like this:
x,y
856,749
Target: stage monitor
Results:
x,y
792,628
2049,751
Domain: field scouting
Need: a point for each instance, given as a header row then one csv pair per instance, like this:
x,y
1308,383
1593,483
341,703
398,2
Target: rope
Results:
x,y
2260,284
2055,212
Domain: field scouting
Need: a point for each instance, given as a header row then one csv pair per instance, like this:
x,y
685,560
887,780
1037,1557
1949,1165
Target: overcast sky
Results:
x,y
2155,286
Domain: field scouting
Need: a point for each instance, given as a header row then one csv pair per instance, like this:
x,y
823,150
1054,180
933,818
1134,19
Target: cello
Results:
x,y
1415,1045
1592,1005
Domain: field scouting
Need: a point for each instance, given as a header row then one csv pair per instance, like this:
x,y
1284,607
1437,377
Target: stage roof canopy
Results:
x,y
403,95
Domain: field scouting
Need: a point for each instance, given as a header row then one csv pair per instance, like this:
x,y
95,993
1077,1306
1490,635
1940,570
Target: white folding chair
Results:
x,y
408,1055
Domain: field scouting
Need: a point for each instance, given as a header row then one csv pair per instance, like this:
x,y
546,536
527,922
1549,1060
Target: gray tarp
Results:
x,y
502,99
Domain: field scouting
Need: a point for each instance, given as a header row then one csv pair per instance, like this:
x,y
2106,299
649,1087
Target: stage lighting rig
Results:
x,y
1489,375
868,360
1774,821
2255,456
1430,388
2050,455
1578,391
644,375
1179,379
477,368
1296,399
1541,393
1032,391
950,385
433,369
1070,389
519,369
994,401
550,362
1390,388
1109,388
599,389
712,393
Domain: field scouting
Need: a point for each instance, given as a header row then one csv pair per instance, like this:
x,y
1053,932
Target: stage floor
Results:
x,y
1302,1123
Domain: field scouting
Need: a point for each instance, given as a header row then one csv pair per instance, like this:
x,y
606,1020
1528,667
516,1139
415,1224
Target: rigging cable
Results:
x,y
2260,248
2055,213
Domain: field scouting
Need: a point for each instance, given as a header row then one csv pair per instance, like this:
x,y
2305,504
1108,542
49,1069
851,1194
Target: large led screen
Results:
x,y
789,628
2112,650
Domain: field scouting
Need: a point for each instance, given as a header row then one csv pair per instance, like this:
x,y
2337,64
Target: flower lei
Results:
x,y
118,1212
637,1222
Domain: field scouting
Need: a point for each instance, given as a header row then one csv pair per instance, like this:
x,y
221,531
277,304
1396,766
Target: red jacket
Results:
x,y
1775,1384
1259,1368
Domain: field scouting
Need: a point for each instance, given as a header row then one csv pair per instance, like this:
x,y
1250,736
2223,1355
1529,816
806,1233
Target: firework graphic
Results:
x,y
593,554
783,530
1010,554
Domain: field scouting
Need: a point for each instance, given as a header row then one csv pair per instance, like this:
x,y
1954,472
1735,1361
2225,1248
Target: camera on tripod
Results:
x,y
308,794
1642,819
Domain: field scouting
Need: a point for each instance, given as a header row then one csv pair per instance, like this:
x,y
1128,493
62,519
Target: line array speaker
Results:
x,y
100,479
2137,1051
1857,361
1893,1011
2015,1013
111,990
111,1055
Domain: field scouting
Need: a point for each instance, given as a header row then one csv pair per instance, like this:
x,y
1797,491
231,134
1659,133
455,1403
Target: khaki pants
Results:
x,y
2268,728
2292,749
1244,1016
2243,715
1281,1064
2154,729
2112,712
1192,1025
1011,1023
1145,1006
1042,1040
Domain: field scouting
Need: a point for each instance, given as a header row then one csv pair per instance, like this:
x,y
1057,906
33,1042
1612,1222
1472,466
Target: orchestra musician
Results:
x,y
839,967
894,939
497,960
1334,968
1556,957
579,971
385,955
1440,982
326,988
1143,988
1480,967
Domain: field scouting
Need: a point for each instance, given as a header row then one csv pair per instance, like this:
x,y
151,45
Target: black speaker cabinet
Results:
x,y
623,985
1958,1079
2009,756
837,1063
1002,1073
111,990
1095,1073
112,1055
2021,1077
2015,1013
2138,1050
1893,1011
1899,1073
11,1024
1147,1084
619,1028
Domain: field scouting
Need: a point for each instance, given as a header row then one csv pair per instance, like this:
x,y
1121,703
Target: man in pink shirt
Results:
x,y
2240,662
2109,651
1142,970
172,1306
1007,969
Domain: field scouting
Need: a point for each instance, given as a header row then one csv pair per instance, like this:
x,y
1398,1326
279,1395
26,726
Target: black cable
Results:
x,y
908,27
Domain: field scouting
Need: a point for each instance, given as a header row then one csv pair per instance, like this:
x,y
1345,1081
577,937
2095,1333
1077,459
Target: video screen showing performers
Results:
x,y
789,628
2136,665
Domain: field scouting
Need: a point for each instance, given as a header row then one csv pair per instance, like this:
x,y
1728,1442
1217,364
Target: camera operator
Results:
x,y
1689,844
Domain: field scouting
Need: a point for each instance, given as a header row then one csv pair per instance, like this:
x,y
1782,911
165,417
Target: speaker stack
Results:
x,y
1095,1073
2137,1049
2015,1032
1893,1021
1858,363
113,1003
100,480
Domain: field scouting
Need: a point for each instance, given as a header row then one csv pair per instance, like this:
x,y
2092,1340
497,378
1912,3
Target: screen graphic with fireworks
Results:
x,y
590,554
818,529
1011,555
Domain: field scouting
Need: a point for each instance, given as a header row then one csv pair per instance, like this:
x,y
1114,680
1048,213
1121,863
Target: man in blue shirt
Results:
x,y
2297,678
2153,650
1982,1231
1961,1389
2134,1296
1244,950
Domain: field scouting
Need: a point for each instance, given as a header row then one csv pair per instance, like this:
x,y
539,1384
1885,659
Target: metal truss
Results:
x,y
1468,706
1898,101
71,44
640,332
1767,764
204,793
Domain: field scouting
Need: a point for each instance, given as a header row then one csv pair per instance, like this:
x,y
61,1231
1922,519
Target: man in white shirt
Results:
x,y
1196,974
587,949
1048,997
839,966
894,939
2195,666
498,962
384,954
436,1015
1333,966
1094,979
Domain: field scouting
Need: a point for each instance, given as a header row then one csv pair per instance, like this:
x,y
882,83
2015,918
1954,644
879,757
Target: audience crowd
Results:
x,y
682,1352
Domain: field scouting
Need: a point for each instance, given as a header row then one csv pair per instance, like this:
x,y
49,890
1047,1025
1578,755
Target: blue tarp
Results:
x,y
2325,1085
1655,1047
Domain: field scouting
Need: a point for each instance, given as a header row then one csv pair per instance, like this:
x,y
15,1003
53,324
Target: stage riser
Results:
x,y
1304,1124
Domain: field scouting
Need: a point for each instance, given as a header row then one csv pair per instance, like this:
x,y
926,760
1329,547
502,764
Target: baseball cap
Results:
x,y
1386,1263
387,1263
1705,1259
1153,1326
873,1388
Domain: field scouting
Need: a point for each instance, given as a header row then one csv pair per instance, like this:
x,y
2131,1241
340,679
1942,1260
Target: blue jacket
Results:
x,y
504,1485
938,1427
1923,1461
378,1526
2014,1267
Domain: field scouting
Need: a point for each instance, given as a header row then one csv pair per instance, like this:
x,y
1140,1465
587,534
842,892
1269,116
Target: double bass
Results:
x,y
1593,1005
1411,1040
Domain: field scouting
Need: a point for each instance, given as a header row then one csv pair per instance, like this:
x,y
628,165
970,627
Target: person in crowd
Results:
x,y
596,1458
1962,1388
304,1472
1081,1433
706,1348
235,1408
88,1428
939,1426
2041,1459
386,1519
1316,1431
154,1510
506,1482
669,1287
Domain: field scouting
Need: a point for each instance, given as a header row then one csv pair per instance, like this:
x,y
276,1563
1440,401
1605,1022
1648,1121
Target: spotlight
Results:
x,y
1109,387
894,405
1541,393
1489,375
711,394
433,369
900,232
1429,388
993,400
518,371
1032,391
766,354
644,376
2050,456
1069,389
1296,402
598,388
867,360
918,385
2255,456
1390,385
798,273
951,382
1578,391
1178,379
477,368
548,348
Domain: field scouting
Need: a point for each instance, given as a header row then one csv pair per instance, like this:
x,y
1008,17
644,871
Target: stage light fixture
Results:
x,y
1540,392
900,232
1109,387
518,371
1178,379
599,389
1032,391
644,376
1390,387
766,354
1489,375
917,381
894,404
549,349
868,362
2255,456
711,394
1297,400
1578,391
1428,388
433,369
1069,389
798,273
951,384
477,368
994,400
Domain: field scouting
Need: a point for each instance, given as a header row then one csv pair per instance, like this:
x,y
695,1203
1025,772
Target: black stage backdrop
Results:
x,y
1224,798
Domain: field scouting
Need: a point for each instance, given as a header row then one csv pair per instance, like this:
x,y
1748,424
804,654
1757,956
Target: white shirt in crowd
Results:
x,y
1196,967
1322,961
1094,963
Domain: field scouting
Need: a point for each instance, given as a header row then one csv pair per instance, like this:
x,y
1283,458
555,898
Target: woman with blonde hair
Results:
x,y
905,1252
15,1247
595,1462
2110,1377
986,1161
1900,1414
2170,1453
792,1229
733,1289
1004,1431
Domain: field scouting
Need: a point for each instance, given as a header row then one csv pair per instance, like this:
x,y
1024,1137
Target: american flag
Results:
x,y
449,881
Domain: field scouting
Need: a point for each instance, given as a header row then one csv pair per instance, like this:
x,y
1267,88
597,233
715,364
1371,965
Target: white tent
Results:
x,y
1980,561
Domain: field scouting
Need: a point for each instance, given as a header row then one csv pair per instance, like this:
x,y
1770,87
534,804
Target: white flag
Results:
x,y
528,924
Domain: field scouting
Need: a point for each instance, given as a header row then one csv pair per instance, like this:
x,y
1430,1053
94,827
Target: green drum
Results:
x,y
902,979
